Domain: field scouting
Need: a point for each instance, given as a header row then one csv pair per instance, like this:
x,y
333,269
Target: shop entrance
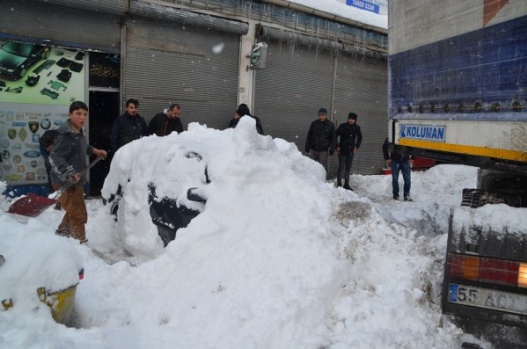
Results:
x,y
104,109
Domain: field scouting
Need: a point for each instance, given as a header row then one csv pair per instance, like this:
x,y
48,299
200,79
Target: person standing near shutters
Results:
x,y
163,124
321,138
129,126
349,136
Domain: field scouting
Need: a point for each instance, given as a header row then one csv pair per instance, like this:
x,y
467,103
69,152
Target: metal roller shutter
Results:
x,y
361,88
167,62
60,26
296,82
300,77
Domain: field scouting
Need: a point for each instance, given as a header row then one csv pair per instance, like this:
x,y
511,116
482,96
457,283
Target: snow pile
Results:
x,y
278,258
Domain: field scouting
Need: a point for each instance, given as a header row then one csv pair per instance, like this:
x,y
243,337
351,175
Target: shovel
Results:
x,y
33,205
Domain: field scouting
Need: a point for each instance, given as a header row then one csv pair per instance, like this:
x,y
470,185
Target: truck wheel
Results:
x,y
502,182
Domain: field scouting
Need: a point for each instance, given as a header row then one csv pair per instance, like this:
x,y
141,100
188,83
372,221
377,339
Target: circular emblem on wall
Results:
x,y
4,143
6,154
17,159
45,124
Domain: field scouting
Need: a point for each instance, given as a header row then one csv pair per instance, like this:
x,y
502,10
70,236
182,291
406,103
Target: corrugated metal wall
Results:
x,y
361,82
59,26
167,62
298,80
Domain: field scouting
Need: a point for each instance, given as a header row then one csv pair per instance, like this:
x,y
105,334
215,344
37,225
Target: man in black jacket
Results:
x,y
321,138
399,162
129,126
350,138
243,110
164,123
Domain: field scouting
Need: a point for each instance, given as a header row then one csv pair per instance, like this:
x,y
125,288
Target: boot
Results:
x,y
339,183
347,186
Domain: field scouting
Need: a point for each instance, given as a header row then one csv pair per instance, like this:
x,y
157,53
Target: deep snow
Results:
x,y
278,258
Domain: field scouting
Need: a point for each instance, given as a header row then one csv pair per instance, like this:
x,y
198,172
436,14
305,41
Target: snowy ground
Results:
x,y
277,259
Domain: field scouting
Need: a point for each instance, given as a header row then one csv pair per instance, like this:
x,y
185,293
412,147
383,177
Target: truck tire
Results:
x,y
502,182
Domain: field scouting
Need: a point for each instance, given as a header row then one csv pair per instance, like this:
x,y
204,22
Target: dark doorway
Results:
x,y
104,109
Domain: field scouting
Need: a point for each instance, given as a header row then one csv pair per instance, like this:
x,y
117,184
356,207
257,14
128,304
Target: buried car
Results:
x,y
37,269
158,187
167,212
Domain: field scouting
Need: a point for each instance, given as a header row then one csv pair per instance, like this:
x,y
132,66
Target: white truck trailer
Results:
x,y
458,94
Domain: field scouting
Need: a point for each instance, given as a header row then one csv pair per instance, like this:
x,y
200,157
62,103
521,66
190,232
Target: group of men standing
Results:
x,y
323,140
131,126
68,151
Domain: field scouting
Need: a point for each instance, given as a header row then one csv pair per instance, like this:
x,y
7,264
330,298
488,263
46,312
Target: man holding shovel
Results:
x,y
68,164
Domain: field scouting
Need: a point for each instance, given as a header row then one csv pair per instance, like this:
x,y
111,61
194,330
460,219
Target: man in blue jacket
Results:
x,y
349,135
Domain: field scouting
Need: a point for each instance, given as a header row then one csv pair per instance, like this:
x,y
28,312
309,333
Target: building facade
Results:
x,y
195,53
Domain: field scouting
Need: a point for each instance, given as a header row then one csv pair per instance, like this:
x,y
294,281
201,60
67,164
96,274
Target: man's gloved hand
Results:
x,y
389,163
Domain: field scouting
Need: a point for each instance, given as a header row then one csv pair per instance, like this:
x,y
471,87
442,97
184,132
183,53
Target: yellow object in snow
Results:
x,y
60,302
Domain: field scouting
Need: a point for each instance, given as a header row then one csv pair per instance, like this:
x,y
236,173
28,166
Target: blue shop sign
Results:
x,y
363,5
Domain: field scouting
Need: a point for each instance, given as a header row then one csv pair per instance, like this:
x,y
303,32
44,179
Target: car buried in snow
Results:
x,y
168,212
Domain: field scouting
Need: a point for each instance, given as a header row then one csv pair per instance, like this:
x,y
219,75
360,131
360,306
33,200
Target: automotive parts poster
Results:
x,y
37,85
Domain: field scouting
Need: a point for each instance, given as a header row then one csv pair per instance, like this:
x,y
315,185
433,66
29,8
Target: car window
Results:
x,y
18,48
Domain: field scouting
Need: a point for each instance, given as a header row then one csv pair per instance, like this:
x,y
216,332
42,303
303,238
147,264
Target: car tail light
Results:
x,y
489,270
463,266
522,276
499,271
81,274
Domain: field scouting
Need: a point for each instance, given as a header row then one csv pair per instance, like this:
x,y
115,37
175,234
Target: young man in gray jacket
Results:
x,y
68,164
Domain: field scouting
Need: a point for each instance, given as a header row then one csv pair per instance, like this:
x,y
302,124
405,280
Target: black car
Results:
x,y
168,213
16,58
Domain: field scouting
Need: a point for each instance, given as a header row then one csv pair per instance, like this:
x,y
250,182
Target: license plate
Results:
x,y
487,298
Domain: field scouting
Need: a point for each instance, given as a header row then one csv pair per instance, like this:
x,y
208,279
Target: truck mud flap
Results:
x,y
478,197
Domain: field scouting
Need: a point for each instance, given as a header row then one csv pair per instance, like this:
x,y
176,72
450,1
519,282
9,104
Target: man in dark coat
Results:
x,y
164,123
349,135
399,163
243,110
321,138
129,126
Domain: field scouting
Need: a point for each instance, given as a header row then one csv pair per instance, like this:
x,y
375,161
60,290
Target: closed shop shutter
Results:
x,y
168,62
39,22
298,80
361,88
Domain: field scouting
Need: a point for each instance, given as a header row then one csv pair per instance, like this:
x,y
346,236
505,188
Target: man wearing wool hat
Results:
x,y
349,135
